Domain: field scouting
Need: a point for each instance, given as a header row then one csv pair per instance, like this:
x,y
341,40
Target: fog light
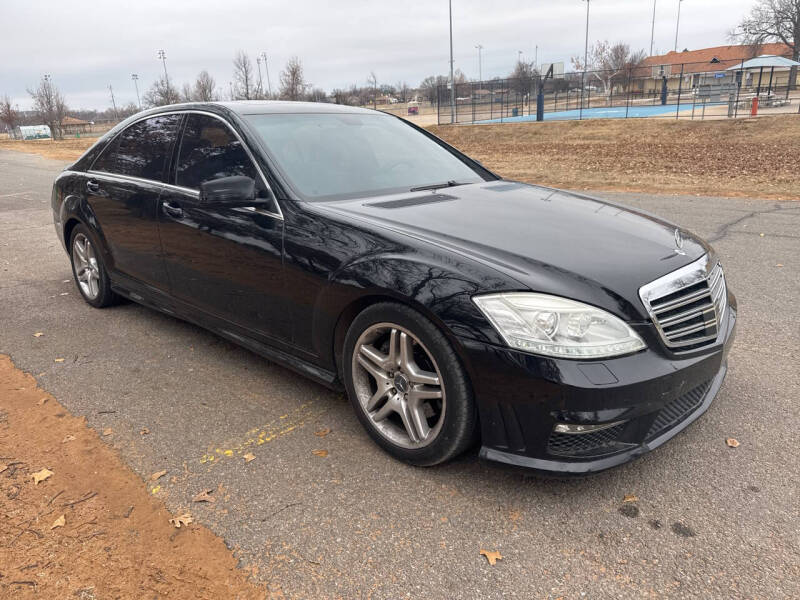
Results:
x,y
575,429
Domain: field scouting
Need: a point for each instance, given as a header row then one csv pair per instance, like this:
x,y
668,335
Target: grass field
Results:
x,y
752,157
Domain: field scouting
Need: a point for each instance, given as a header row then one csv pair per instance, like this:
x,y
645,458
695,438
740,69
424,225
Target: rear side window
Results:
x,y
142,150
209,150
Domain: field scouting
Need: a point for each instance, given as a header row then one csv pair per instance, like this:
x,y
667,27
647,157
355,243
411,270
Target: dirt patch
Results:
x,y
68,149
751,158
88,528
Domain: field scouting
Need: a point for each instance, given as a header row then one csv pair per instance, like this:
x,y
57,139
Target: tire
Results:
x,y
89,270
395,398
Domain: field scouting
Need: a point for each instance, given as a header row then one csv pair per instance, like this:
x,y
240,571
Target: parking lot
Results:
x,y
710,520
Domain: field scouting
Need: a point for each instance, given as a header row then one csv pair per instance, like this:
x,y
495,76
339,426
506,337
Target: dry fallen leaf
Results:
x,y
779,265
630,498
183,519
732,442
42,401
320,453
108,431
59,360
322,432
492,556
249,456
38,334
68,438
144,431
59,522
204,496
41,475
158,475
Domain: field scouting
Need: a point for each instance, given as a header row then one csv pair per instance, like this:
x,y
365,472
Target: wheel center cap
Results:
x,y
401,383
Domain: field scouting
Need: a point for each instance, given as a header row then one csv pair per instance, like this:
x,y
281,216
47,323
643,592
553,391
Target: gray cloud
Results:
x,y
87,46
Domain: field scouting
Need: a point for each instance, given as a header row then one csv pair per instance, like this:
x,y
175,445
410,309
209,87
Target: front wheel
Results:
x,y
407,385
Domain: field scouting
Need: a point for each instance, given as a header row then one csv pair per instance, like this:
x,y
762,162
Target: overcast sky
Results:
x,y
86,46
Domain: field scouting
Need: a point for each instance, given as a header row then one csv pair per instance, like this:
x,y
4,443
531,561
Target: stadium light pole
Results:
x,y
452,72
135,79
479,48
163,57
678,24
653,31
266,68
260,82
585,55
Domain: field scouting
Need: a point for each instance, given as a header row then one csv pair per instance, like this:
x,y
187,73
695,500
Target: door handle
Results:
x,y
93,187
173,211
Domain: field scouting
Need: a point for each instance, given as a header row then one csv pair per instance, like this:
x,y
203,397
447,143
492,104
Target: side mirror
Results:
x,y
228,191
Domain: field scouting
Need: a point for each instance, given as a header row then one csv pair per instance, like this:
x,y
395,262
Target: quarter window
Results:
x,y
209,150
142,150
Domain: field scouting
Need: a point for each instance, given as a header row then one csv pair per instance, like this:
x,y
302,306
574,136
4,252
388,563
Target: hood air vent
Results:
x,y
416,201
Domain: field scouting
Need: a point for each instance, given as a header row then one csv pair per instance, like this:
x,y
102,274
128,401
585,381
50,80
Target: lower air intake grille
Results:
x,y
677,410
582,444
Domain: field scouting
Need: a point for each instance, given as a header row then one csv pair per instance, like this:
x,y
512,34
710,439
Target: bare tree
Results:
x,y
8,114
293,86
340,96
402,91
523,76
243,76
204,87
161,93
372,80
607,62
50,105
773,21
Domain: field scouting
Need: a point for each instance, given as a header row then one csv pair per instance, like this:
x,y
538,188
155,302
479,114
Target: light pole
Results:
x,y
260,82
585,56
135,79
113,102
479,48
653,31
163,57
519,56
452,73
678,25
266,68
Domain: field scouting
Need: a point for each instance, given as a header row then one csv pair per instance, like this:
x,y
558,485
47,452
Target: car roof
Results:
x,y
264,107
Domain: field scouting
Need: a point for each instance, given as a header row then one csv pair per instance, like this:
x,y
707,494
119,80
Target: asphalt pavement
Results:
x,y
710,520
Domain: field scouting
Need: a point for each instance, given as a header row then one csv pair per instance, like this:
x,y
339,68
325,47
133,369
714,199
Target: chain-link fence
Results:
x,y
721,89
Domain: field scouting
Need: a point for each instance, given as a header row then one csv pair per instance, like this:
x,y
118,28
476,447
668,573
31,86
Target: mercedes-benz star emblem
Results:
x,y
679,242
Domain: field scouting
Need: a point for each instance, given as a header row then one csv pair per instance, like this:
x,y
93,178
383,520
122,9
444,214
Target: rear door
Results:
x,y
227,262
123,188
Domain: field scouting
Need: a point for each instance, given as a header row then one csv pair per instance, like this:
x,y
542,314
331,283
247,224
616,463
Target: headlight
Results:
x,y
555,326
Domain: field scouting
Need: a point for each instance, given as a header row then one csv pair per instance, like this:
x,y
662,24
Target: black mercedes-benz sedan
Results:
x,y
565,333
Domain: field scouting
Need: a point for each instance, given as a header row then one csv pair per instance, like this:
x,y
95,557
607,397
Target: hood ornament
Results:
x,y
679,243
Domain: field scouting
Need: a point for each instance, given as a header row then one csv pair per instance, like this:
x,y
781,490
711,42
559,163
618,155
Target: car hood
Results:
x,y
548,240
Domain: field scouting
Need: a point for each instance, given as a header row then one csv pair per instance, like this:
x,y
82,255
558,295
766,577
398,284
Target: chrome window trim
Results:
x,y
194,192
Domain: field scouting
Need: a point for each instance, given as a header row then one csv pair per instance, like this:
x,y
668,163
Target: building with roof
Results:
x,y
71,125
692,69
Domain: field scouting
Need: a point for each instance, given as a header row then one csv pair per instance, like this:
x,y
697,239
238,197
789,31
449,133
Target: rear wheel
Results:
x,y
407,385
89,270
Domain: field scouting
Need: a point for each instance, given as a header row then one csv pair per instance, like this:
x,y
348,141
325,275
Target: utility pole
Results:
x,y
479,48
135,79
536,59
260,82
678,25
585,56
230,86
519,56
452,73
163,57
266,68
653,31
113,102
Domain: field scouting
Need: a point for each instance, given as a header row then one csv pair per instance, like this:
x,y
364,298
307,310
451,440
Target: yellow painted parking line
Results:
x,y
264,434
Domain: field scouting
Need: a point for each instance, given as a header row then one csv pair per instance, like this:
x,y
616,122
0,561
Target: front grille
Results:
x,y
687,306
581,444
677,410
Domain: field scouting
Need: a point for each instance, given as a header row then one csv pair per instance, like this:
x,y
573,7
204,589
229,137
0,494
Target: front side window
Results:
x,y
339,155
209,150
142,150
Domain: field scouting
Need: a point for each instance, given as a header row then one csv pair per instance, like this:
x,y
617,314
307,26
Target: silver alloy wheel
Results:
x,y
399,385
86,268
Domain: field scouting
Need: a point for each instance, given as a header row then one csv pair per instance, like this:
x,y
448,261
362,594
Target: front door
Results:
x,y
226,262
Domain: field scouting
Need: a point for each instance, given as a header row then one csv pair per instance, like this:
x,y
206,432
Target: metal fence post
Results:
x,y
628,94
680,89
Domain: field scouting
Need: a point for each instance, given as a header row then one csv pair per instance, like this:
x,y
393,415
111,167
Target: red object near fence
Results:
x,y
413,110
754,108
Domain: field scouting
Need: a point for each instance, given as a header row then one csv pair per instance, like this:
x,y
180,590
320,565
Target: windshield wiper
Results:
x,y
436,186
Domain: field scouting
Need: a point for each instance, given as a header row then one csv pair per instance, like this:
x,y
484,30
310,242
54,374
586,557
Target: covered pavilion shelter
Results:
x,y
770,63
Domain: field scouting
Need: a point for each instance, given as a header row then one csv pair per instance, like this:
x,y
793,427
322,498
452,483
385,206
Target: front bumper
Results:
x,y
651,396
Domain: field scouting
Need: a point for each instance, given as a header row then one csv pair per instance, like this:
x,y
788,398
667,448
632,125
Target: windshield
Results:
x,y
329,156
